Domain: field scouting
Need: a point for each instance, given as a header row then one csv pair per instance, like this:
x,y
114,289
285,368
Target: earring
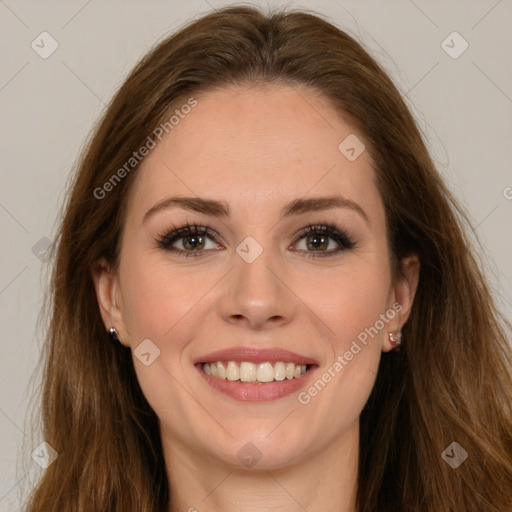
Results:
x,y
396,339
113,335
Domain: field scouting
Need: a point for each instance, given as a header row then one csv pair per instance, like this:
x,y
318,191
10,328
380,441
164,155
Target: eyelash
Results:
x,y
165,240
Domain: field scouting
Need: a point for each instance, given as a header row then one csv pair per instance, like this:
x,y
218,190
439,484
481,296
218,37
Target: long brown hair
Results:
x,y
452,379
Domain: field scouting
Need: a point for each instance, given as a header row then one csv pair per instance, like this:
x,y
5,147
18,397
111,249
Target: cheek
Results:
x,y
166,306
351,300
162,300
354,304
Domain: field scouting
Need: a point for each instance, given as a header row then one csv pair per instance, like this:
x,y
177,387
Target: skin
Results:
x,y
257,149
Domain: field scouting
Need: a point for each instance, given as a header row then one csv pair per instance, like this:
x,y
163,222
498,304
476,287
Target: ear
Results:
x,y
109,298
404,291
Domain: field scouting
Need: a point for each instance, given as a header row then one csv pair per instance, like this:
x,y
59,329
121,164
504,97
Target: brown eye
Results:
x,y
188,240
324,240
193,242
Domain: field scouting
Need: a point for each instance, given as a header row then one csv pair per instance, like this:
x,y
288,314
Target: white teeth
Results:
x,y
232,372
221,370
254,372
248,372
279,371
265,372
290,367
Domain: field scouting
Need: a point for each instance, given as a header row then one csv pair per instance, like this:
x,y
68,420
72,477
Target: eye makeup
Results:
x,y
197,235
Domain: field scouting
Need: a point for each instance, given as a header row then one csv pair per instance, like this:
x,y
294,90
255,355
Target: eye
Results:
x,y
191,240
318,239
188,240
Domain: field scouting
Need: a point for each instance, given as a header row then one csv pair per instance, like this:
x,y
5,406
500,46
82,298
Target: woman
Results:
x,y
263,297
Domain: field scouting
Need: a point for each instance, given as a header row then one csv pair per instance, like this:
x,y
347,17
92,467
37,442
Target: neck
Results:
x,y
325,479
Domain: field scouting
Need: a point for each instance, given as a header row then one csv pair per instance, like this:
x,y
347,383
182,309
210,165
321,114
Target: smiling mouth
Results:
x,y
254,373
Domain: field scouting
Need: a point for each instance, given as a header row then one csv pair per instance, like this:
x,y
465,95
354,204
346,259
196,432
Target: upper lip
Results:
x,y
255,355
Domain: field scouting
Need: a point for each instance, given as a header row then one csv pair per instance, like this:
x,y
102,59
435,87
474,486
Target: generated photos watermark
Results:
x,y
304,397
145,149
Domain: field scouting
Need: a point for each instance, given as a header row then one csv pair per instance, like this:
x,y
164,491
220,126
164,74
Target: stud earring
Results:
x,y
113,335
396,339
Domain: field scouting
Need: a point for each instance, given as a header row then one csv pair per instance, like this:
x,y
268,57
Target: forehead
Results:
x,y
259,147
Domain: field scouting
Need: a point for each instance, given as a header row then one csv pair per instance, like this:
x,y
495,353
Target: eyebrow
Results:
x,y
221,208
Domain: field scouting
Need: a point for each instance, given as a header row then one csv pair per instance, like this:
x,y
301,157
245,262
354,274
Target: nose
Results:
x,y
256,294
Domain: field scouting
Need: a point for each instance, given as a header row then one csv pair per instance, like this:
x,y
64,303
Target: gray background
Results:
x,y
48,106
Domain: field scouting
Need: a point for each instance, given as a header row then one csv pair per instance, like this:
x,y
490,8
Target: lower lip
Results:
x,y
248,392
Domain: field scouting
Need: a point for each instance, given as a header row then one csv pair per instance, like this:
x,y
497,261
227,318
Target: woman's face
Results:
x,y
259,164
